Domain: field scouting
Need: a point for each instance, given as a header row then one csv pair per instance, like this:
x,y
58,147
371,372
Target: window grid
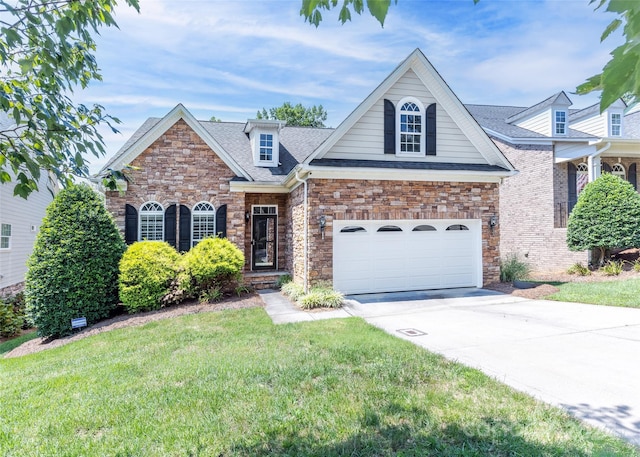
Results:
x,y
410,128
265,210
561,122
152,222
266,147
5,236
204,222
618,170
582,177
616,124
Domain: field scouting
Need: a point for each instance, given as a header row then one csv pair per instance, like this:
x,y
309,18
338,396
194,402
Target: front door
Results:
x,y
263,242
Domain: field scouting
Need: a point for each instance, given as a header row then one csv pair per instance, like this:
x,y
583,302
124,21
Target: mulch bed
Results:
x,y
190,307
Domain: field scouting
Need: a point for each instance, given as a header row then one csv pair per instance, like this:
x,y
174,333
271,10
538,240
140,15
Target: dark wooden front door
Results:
x,y
264,242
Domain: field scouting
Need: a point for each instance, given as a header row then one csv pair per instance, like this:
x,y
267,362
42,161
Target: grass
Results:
x,y
8,345
233,384
610,293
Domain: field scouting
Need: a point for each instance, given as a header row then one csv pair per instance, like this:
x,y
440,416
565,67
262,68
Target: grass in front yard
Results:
x,y
8,345
610,293
233,384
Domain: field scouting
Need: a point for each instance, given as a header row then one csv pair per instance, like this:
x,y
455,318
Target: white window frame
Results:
x,y
613,125
423,123
265,148
617,169
144,213
202,213
266,210
4,236
557,123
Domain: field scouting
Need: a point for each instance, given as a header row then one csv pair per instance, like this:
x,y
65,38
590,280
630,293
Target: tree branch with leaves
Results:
x,y
46,52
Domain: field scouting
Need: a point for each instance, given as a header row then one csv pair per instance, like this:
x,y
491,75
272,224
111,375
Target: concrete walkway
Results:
x,y
584,358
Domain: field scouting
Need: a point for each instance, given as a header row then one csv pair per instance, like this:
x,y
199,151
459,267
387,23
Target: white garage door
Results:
x,y
388,256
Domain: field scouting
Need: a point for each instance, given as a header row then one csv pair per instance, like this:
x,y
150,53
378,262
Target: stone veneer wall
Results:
x,y
12,290
527,209
386,200
268,199
181,168
295,234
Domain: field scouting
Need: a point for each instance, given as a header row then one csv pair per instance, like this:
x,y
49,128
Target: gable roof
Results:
x,y
557,99
229,141
444,96
495,119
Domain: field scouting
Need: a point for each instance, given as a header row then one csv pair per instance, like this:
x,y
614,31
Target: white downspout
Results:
x,y
306,230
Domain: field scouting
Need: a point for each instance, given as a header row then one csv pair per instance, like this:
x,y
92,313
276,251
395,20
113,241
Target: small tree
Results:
x,y
297,115
606,216
73,270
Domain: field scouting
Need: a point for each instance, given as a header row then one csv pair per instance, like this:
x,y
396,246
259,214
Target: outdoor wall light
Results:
x,y
323,224
493,221
247,216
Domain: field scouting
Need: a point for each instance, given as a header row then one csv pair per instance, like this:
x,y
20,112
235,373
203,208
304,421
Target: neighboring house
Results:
x,y
557,151
20,221
403,195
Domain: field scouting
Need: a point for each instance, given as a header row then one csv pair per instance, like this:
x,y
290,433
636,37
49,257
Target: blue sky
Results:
x,y
230,58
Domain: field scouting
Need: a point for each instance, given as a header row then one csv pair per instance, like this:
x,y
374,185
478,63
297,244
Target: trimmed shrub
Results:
x,y
147,271
606,216
73,270
282,280
214,263
513,269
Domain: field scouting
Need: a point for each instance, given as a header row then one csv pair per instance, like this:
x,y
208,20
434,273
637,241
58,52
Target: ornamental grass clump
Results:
x,y
513,269
148,271
73,269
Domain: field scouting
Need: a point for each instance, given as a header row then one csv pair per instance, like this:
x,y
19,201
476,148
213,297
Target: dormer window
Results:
x,y
410,125
616,124
265,142
560,123
266,147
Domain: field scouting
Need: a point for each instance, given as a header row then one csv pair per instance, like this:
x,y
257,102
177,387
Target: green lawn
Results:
x,y
611,293
6,346
233,384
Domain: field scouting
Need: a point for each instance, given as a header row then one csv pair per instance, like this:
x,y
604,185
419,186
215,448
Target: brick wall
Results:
x,y
386,200
181,168
527,209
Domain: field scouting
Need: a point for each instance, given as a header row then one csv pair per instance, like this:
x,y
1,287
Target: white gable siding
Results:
x,y
22,215
595,125
365,140
540,123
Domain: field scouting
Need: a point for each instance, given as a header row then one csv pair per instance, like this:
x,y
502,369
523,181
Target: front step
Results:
x,y
260,280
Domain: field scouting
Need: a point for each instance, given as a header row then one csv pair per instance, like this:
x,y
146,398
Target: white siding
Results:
x,y
22,215
365,140
595,125
540,123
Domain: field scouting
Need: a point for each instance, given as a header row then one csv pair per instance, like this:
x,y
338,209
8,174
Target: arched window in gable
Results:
x,y
410,127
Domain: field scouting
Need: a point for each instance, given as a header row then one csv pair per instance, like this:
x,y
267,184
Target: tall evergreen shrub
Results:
x,y
73,270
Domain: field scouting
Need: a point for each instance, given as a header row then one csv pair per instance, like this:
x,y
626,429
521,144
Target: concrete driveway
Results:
x,y
584,358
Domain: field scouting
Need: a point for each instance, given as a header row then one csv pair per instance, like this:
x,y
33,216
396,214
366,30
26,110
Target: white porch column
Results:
x,y
595,166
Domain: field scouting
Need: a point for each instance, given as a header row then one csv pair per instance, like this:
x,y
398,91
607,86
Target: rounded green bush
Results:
x,y
213,262
73,269
10,321
147,271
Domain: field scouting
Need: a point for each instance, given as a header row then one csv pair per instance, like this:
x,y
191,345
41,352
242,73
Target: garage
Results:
x,y
401,255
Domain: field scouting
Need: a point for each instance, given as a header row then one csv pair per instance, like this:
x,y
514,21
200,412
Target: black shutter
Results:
x,y
431,130
221,222
130,224
389,127
170,225
184,244
606,168
633,177
573,184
